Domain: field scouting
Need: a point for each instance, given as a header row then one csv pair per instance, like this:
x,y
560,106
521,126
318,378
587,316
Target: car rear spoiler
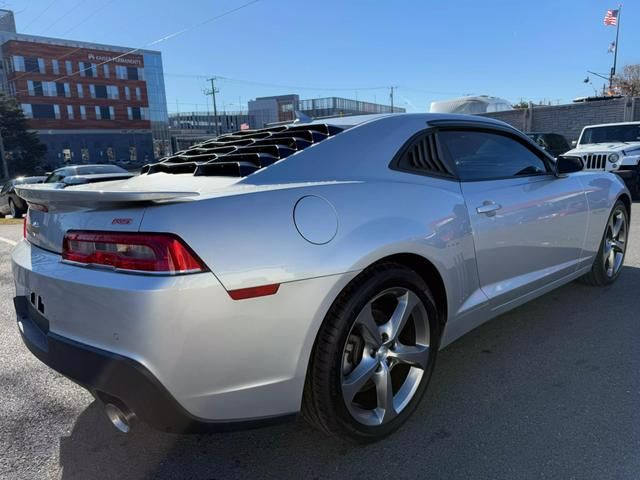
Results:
x,y
46,194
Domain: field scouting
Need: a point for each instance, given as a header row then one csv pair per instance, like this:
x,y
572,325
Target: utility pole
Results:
x,y
3,159
615,50
391,89
213,92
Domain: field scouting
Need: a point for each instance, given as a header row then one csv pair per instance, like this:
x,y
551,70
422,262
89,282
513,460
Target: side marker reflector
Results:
x,y
252,292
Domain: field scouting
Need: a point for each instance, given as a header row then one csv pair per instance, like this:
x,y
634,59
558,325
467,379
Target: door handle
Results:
x,y
488,208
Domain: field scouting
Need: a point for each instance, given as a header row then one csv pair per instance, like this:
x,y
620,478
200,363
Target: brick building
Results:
x,y
89,103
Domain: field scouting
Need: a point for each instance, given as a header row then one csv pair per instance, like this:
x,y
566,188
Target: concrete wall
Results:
x,y
569,120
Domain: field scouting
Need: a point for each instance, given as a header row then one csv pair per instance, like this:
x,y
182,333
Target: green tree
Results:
x,y
23,150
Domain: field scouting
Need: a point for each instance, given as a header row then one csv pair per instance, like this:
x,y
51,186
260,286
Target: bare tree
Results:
x,y
629,81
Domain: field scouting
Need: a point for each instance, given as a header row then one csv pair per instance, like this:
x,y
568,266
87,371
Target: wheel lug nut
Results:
x,y
385,337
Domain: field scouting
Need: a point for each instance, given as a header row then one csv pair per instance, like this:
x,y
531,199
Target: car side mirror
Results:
x,y
568,164
574,143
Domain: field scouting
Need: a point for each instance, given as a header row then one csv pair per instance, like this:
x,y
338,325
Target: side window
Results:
x,y
6,187
422,156
481,155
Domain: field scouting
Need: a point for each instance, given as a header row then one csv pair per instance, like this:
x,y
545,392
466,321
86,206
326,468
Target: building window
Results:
x,y
63,90
31,87
111,154
121,72
30,64
127,93
18,63
135,113
26,109
112,92
92,91
70,112
80,91
88,69
105,69
105,113
138,94
69,67
133,154
83,112
132,73
45,111
84,153
55,66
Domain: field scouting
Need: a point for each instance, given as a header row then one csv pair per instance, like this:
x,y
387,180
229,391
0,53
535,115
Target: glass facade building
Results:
x,y
282,108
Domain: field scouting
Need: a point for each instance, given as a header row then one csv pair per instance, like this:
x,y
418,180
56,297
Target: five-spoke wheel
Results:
x,y
385,356
374,354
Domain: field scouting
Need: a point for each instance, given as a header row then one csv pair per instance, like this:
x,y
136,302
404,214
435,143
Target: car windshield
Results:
x,y
610,134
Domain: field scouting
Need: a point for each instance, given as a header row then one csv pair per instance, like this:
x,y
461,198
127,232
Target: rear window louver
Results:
x,y
242,153
423,155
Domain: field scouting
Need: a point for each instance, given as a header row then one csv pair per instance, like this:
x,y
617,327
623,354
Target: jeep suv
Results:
x,y
612,147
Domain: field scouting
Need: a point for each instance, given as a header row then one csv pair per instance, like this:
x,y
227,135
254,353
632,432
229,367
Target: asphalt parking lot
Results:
x,y
550,390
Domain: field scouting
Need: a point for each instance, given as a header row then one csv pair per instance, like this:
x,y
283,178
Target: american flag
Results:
x,y
611,18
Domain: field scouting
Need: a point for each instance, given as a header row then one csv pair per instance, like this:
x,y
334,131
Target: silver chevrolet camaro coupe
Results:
x,y
313,267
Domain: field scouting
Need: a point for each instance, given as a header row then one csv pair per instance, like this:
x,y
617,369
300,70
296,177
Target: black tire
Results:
x,y
16,211
598,276
323,404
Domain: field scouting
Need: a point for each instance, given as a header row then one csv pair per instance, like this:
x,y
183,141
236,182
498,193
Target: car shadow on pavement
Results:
x,y
551,389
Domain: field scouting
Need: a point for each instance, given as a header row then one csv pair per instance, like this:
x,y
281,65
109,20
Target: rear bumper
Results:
x,y
110,376
179,338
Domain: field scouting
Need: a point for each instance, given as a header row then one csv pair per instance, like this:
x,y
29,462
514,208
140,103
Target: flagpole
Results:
x,y
615,50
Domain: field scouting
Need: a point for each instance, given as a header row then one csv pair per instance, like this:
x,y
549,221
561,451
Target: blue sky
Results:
x,y
431,50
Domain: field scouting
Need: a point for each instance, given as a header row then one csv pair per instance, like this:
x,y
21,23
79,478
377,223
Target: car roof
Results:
x,y
354,120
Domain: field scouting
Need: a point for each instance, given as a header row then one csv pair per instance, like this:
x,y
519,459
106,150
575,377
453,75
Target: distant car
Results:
x,y
79,174
10,202
554,143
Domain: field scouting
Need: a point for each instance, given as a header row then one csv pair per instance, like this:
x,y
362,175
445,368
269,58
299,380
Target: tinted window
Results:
x,y
485,156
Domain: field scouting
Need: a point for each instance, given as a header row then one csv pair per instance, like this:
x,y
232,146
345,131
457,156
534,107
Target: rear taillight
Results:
x,y
24,226
159,253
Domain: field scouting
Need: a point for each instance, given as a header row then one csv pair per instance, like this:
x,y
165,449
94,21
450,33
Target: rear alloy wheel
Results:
x,y
610,258
374,355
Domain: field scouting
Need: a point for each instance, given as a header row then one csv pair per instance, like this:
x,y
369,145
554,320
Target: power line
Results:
x,y
160,40
94,12
42,12
76,5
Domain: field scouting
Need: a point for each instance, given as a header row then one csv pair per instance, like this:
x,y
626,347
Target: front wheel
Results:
x,y
610,258
374,355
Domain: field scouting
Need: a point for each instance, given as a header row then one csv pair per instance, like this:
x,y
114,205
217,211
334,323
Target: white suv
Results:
x,y
612,147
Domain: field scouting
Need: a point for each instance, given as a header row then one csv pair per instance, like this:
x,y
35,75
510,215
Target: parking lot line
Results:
x,y
9,241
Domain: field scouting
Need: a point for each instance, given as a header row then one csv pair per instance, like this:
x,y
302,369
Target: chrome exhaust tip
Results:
x,y
120,416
